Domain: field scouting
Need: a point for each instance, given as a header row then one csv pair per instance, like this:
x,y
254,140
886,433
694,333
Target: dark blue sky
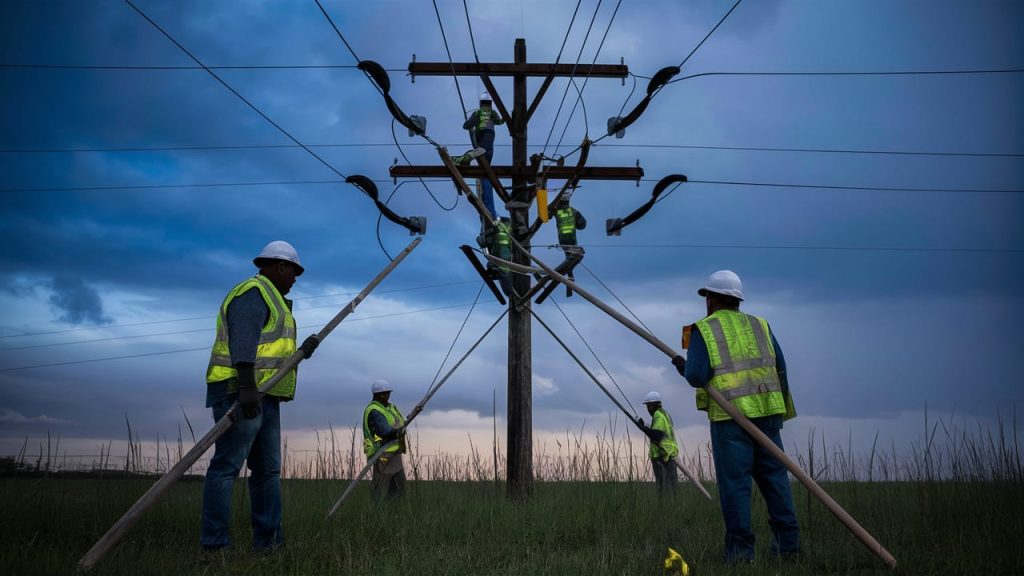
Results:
x,y
884,301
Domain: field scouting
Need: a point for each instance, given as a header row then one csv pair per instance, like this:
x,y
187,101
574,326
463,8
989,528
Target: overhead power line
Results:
x,y
811,248
855,73
211,318
610,145
162,67
143,354
469,24
235,92
710,182
697,47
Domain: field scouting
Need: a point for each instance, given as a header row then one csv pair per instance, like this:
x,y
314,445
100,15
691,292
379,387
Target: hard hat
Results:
x,y
723,282
280,250
379,386
485,97
652,397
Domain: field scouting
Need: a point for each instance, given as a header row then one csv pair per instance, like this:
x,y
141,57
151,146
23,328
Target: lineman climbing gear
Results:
x,y
614,226
469,156
660,78
723,282
372,442
380,386
414,224
743,366
248,394
652,396
280,250
277,339
309,346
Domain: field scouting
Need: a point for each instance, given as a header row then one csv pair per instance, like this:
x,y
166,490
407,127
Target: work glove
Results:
x,y
396,432
248,394
640,422
680,363
309,345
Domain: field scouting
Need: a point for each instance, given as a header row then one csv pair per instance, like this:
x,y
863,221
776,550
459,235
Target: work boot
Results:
x,y
468,156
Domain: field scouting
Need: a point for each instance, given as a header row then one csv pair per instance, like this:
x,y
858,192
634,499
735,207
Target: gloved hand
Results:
x,y
680,363
309,345
248,394
640,422
396,432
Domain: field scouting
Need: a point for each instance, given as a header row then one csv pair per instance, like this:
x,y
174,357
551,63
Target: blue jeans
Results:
x,y
738,458
485,140
259,442
666,476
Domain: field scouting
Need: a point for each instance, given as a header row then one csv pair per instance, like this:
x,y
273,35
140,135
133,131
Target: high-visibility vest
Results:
x,y
566,220
666,448
503,242
742,366
485,119
372,442
276,344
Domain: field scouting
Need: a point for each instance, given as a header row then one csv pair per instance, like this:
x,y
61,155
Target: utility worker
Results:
x,y
737,354
481,133
663,445
501,246
255,334
382,423
569,220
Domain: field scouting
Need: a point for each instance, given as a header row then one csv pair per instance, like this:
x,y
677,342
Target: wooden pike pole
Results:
x,y
415,412
851,524
679,464
104,544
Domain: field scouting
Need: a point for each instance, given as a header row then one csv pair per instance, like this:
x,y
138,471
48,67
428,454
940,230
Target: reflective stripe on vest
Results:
x,y
742,365
276,342
666,449
485,120
502,239
372,442
566,219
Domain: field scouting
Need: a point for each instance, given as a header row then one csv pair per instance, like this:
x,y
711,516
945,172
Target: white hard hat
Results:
x,y
379,386
723,282
280,250
652,397
485,96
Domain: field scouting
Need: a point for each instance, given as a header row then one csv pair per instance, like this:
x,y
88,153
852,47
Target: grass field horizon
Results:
x,y
955,502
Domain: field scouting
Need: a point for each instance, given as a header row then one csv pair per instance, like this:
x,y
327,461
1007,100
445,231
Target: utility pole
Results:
x,y
523,173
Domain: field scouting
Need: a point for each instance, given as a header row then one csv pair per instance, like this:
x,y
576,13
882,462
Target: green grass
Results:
x,y
471,528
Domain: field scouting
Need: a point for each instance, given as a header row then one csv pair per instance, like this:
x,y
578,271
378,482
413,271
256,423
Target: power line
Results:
x,y
470,26
711,182
338,31
235,92
143,354
152,322
613,145
856,73
568,30
813,248
697,47
462,101
161,67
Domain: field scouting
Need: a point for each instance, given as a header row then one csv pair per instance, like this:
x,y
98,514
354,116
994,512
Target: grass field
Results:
x,y
471,528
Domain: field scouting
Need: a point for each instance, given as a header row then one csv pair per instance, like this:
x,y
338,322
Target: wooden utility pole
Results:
x,y
523,173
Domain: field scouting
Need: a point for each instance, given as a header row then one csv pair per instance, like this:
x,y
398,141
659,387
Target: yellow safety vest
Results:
x,y
666,448
566,219
372,442
276,344
742,366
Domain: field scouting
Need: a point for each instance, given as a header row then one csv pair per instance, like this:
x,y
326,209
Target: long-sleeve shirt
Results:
x,y
379,425
698,362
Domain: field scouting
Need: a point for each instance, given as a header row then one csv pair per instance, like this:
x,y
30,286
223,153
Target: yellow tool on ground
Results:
x,y
674,564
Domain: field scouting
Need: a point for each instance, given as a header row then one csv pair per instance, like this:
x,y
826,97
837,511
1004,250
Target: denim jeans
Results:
x,y
666,477
485,140
738,458
258,441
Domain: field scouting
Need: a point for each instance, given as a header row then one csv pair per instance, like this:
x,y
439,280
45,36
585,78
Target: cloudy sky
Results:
x,y
887,254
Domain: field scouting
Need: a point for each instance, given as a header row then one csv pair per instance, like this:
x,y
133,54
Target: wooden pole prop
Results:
x,y
408,419
679,464
766,443
103,545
